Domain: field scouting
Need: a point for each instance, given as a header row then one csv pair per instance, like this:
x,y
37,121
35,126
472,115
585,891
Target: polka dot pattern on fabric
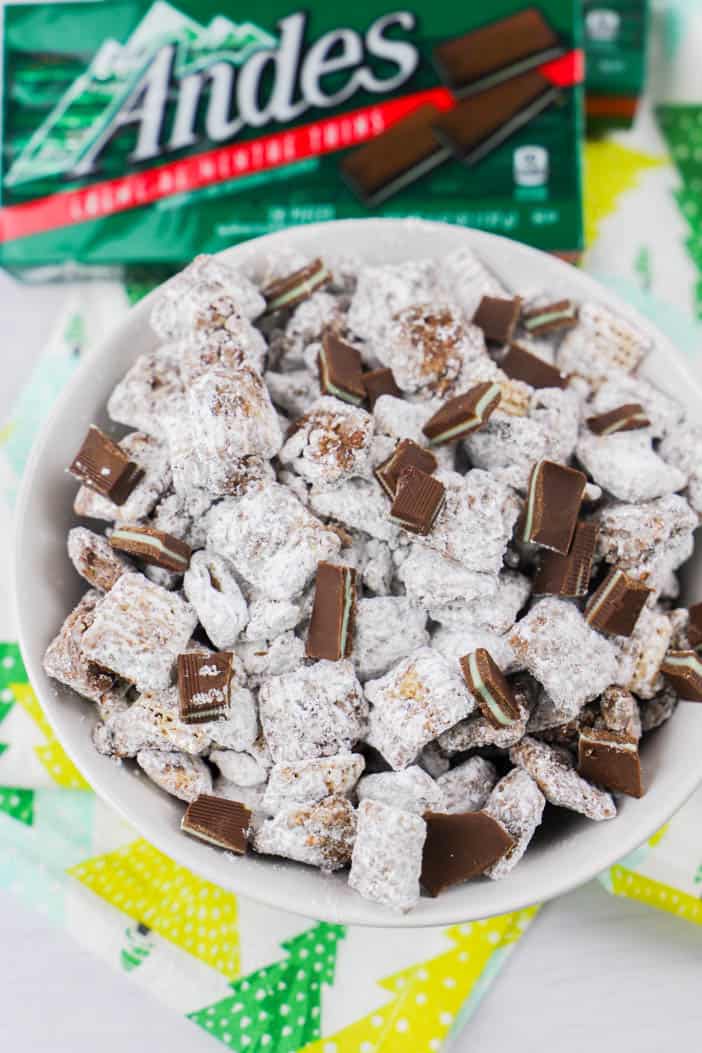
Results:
x,y
149,887
428,996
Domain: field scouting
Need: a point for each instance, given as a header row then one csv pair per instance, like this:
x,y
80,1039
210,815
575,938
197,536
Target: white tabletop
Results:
x,y
593,972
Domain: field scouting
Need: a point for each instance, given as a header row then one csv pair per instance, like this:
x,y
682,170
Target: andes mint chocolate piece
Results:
x,y
219,822
496,52
340,372
630,417
407,454
520,364
380,382
553,503
152,546
463,414
610,759
560,315
460,846
497,318
203,686
104,467
294,288
418,500
476,127
330,633
490,688
569,575
694,625
384,165
616,605
683,671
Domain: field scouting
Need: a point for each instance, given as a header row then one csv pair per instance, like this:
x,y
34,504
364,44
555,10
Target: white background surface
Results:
x,y
593,972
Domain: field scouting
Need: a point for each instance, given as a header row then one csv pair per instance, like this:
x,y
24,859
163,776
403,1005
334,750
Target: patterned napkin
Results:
x,y
255,978
259,979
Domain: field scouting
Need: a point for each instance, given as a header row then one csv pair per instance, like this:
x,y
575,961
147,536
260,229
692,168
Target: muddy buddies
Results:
x,y
386,562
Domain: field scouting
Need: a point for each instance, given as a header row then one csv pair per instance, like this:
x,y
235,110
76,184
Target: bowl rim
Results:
x,y
212,864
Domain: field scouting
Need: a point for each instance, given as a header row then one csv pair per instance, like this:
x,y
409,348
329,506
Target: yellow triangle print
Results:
x,y
60,767
51,754
610,169
428,995
656,894
191,913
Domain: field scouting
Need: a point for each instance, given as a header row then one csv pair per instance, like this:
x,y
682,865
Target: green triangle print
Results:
x,y
17,802
278,1008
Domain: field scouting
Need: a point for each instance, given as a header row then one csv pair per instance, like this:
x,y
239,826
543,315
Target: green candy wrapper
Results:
x,y
139,132
616,40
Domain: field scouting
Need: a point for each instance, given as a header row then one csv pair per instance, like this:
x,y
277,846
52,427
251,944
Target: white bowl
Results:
x,y
567,850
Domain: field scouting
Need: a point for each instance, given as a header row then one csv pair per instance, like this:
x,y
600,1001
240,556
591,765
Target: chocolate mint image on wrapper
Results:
x,y
478,125
181,128
497,51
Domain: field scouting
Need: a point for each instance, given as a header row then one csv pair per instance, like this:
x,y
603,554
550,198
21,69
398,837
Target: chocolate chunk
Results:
x,y
463,414
694,625
630,417
340,372
497,318
384,165
380,382
152,546
460,846
569,575
104,467
490,689
479,125
407,454
330,634
418,500
219,822
610,759
553,316
683,671
496,51
520,364
616,605
203,686
553,502
294,288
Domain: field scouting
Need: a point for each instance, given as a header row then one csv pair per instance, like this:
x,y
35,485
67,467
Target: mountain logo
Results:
x,y
86,109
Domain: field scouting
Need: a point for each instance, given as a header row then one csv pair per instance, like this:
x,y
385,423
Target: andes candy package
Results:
x,y
141,132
